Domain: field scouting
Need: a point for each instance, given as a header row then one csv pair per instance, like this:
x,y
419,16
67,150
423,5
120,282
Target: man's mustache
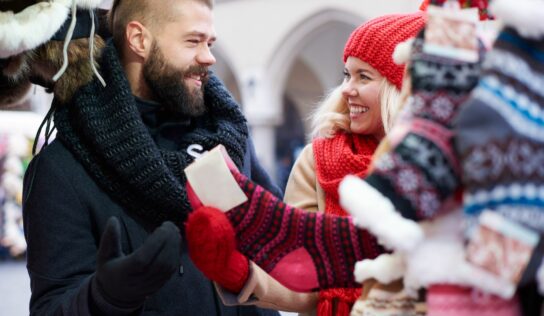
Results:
x,y
200,70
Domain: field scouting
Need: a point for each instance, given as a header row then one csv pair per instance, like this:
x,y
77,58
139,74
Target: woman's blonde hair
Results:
x,y
332,114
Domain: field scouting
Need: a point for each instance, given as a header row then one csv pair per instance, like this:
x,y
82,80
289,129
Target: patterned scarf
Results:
x,y
104,131
334,159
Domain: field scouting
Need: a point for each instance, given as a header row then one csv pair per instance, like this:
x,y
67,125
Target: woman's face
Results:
x,y
361,89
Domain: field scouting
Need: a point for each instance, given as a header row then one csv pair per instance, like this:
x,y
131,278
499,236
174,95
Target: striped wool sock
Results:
x,y
304,251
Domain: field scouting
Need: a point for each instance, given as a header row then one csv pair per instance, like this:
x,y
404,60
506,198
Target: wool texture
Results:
x,y
103,129
374,42
500,141
422,171
268,230
500,134
336,157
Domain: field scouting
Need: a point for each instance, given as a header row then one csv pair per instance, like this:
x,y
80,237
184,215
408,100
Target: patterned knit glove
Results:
x,y
303,251
212,247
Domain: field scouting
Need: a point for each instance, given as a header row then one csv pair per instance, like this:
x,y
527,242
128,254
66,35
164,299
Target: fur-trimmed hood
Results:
x,y
27,24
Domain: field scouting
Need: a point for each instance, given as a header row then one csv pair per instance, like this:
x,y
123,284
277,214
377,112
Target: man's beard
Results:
x,y
169,88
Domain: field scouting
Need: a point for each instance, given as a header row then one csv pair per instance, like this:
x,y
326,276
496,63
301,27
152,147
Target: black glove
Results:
x,y
125,281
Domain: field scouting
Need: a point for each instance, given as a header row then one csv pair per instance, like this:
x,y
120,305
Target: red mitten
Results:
x,y
212,247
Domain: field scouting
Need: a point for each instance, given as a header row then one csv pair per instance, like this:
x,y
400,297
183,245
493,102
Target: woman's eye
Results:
x,y
365,77
346,75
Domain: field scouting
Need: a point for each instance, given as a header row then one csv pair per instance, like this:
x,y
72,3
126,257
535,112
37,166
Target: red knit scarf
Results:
x,y
334,159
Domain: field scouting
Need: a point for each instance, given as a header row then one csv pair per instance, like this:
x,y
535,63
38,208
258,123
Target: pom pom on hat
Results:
x,y
374,42
403,51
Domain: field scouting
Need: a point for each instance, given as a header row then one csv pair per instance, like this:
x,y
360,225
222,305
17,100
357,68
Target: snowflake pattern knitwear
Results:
x,y
104,131
270,233
422,171
500,133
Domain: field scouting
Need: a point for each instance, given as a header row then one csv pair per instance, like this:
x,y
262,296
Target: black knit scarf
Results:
x,y
104,131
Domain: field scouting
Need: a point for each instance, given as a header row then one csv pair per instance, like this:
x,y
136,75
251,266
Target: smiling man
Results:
x,y
166,50
105,203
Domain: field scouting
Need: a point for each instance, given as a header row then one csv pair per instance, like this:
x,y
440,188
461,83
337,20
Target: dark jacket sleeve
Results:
x,y
258,174
61,242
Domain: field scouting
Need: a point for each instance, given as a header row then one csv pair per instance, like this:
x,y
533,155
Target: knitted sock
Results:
x,y
212,247
422,171
303,251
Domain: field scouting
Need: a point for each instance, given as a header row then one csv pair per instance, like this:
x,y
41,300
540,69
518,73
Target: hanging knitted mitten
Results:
x,y
421,171
500,135
303,251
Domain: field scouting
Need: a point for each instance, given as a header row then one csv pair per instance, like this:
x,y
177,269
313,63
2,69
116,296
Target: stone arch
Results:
x,y
225,71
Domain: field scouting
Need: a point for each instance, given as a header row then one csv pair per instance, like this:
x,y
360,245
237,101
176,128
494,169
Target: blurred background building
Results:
x,y
277,57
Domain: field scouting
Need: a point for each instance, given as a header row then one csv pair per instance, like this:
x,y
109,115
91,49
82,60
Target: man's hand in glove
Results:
x,y
125,281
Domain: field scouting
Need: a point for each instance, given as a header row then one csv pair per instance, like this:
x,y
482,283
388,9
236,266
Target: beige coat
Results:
x,y
261,289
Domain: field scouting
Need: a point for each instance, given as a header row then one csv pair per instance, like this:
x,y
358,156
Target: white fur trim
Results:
x,y
443,262
440,259
385,268
371,210
88,4
526,16
30,28
82,4
403,51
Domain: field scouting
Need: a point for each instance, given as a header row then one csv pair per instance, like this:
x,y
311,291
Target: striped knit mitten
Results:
x,y
422,171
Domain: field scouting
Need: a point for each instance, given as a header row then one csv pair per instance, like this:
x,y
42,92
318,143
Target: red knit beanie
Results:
x,y
374,42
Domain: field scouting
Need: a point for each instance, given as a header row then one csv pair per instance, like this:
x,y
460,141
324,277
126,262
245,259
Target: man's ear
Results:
x,y
138,39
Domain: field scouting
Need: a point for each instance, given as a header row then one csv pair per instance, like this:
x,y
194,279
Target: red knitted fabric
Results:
x,y
334,159
374,42
337,157
269,231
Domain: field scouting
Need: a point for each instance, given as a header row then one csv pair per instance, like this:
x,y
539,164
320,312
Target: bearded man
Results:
x,y
105,202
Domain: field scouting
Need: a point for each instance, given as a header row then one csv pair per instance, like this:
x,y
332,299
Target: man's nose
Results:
x,y
205,57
